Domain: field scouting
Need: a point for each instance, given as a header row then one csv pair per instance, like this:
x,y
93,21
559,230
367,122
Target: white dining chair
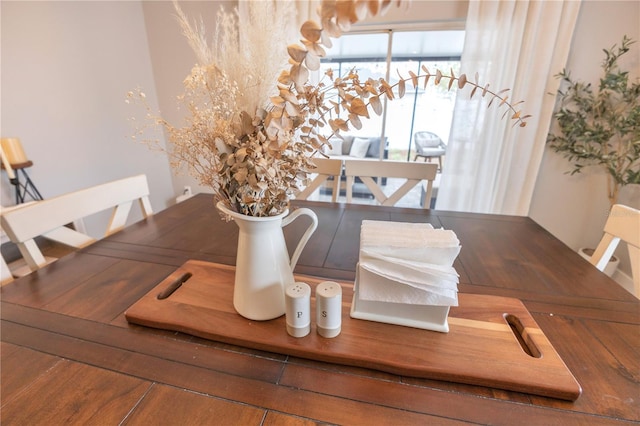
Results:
x,y
325,168
48,218
413,173
429,145
623,224
18,267
5,273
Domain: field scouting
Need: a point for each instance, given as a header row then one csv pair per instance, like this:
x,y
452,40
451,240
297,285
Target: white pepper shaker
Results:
x,y
328,309
298,309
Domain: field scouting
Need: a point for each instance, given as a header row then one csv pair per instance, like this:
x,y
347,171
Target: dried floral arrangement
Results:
x,y
256,124
601,128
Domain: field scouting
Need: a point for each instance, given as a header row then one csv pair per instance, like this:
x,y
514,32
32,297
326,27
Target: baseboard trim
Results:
x,y
624,280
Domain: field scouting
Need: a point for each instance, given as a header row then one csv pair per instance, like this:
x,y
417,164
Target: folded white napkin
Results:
x,y
411,241
375,287
408,263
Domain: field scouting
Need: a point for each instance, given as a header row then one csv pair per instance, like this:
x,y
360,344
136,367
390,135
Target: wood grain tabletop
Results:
x,y
69,356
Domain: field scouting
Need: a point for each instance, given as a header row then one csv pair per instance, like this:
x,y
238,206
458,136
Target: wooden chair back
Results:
x,y
623,224
414,173
325,168
48,218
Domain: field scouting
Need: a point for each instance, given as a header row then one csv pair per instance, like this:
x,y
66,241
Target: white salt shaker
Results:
x,y
328,309
298,309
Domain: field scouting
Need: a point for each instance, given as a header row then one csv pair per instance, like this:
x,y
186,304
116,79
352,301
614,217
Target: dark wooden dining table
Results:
x,y
69,356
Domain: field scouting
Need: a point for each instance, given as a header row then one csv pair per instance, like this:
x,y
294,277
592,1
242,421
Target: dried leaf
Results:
x,y
312,62
451,79
338,124
284,77
276,100
272,130
414,78
329,73
241,175
438,77
345,14
286,123
315,48
389,93
325,39
299,74
332,29
359,108
247,123
241,154
291,109
426,80
276,112
361,9
386,4
296,52
327,9
401,88
311,31
376,104
374,7
252,180
286,94
315,143
462,80
355,121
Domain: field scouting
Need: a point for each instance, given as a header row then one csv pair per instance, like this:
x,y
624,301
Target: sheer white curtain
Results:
x,y
491,166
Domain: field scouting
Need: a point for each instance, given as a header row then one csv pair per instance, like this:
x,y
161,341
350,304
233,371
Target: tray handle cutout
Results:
x,y
174,285
522,336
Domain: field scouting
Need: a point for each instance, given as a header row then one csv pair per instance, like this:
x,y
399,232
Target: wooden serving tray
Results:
x,y
493,341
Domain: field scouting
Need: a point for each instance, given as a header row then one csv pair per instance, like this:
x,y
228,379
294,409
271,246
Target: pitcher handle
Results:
x,y
305,237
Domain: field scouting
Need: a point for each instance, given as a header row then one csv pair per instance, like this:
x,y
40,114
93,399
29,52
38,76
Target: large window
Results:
x,y
384,55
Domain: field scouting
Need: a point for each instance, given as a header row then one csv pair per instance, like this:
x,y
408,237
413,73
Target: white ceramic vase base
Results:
x,y
263,266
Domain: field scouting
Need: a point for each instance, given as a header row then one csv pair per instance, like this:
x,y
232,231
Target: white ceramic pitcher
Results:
x,y
263,267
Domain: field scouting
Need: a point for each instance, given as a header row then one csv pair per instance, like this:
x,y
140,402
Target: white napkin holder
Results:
x,y
427,317
405,275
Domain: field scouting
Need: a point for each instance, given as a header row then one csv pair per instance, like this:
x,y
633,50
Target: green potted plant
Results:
x,y
602,127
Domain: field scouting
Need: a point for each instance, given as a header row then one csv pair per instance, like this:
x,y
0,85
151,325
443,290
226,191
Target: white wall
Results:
x,y
574,208
66,68
172,60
